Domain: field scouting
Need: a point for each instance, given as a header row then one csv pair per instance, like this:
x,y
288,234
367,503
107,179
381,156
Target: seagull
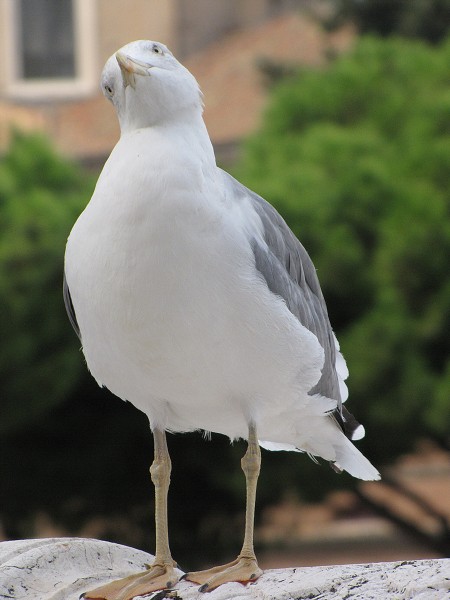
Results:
x,y
194,301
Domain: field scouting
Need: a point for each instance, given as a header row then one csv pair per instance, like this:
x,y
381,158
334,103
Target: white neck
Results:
x,y
188,137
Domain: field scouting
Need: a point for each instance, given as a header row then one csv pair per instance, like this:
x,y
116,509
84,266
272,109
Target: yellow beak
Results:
x,y
131,67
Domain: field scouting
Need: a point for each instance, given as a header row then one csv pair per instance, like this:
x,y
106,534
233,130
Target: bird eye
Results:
x,y
108,90
156,49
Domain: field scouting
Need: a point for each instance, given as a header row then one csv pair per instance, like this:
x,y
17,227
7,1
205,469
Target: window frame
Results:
x,y
85,81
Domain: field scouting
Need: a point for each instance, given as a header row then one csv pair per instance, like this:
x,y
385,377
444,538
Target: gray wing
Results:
x,y
290,273
69,307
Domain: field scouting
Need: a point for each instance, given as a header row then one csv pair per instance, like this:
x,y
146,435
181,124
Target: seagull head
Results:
x,y
148,86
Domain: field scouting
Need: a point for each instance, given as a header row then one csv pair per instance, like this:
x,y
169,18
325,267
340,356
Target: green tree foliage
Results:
x,y
40,197
426,19
357,159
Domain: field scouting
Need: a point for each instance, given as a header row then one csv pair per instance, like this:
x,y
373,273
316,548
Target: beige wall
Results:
x,y
256,11
83,124
79,121
200,22
123,21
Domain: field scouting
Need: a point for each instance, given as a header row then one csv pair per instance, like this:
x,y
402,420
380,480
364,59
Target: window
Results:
x,y
46,39
50,48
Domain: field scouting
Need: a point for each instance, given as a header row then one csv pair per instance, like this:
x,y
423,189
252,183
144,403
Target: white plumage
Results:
x,y
193,299
173,314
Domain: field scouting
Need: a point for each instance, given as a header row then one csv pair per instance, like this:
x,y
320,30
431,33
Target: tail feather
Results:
x,y
350,459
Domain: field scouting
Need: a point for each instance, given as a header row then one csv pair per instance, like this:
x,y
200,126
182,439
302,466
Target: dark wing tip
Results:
x,y
349,425
69,307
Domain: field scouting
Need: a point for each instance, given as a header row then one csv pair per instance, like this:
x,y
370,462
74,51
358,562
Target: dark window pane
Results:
x,y
47,39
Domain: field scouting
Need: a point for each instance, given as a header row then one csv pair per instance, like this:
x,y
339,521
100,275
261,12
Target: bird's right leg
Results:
x,y
245,567
161,573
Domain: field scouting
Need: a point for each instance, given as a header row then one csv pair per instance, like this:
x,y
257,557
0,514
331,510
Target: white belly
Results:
x,y
175,319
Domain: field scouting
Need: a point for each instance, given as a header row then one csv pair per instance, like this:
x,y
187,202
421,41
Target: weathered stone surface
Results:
x,y
63,568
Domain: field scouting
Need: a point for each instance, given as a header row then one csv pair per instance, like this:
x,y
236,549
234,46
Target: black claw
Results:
x,y
203,588
183,577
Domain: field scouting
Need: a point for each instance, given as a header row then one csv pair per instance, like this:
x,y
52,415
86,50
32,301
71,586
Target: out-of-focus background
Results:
x,y
337,112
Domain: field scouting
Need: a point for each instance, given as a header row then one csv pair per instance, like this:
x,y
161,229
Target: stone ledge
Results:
x,y
63,568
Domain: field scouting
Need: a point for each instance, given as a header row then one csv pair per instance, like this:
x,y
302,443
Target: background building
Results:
x,y
54,51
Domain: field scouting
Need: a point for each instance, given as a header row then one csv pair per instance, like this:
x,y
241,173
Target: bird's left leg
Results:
x,y
161,573
245,567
